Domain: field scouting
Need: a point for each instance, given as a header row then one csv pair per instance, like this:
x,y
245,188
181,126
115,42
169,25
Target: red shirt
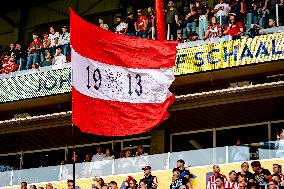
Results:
x,y
211,183
10,67
141,22
35,45
231,185
234,28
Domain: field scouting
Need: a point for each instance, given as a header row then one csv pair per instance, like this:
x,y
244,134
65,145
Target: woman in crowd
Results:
x,y
11,66
214,29
233,27
109,155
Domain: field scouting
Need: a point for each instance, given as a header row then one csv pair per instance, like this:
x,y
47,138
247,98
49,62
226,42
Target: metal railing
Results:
x,y
165,161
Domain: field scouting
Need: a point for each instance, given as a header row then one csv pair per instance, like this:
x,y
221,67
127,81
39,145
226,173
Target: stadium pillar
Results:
x,y
157,142
160,20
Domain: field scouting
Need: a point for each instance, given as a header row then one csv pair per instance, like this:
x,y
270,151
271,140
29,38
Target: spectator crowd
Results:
x,y
191,21
260,178
51,48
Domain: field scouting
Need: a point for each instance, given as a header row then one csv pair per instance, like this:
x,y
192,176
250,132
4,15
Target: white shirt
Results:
x,y
98,157
64,38
224,12
58,61
109,158
121,27
52,38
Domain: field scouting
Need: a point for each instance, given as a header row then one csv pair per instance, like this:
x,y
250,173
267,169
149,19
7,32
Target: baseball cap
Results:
x,y
146,167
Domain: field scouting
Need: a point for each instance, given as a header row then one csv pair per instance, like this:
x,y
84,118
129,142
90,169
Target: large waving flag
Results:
x,y
120,84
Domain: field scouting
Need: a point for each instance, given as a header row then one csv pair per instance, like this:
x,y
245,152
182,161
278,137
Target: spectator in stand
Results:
x,y
193,36
191,19
233,27
24,185
112,185
254,30
33,187
232,182
88,158
128,153
152,181
220,182
180,39
122,154
183,171
120,26
172,21
211,183
141,24
11,50
102,24
245,172
140,151
4,60
253,186
11,66
221,11
34,50
203,18
277,178
99,183
109,155
129,183
59,58
21,56
214,29
243,185
45,44
40,187
150,17
178,181
53,36
271,6
273,185
242,178
279,144
261,175
48,186
252,13
271,23
47,61
130,24
277,170
239,9
64,41
263,15
99,156
70,184
143,184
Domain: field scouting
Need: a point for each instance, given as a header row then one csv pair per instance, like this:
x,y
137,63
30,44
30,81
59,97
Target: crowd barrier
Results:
x,y
199,175
134,165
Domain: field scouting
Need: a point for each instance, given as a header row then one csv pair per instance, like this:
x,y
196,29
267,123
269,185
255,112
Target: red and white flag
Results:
x,y
120,84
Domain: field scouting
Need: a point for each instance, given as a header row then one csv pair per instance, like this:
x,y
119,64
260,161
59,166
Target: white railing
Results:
x,y
165,161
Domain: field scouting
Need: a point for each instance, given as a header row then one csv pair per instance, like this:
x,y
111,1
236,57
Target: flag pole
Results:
x,y
160,20
73,156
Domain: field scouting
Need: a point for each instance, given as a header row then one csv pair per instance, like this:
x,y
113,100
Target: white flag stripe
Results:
x,y
108,82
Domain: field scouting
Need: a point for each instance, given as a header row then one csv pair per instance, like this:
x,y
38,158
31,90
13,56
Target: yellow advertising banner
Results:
x,y
233,53
164,177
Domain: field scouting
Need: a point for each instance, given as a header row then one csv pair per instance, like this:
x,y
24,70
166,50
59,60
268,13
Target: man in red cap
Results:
x,y
152,182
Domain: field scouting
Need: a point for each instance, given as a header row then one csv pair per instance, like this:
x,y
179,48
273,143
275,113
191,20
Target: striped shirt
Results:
x,y
211,183
232,185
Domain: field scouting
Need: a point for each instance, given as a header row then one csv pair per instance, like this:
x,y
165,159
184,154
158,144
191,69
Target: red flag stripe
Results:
x,y
111,118
120,50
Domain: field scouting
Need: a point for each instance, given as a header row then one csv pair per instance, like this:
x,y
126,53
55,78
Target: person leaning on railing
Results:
x,y
214,29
